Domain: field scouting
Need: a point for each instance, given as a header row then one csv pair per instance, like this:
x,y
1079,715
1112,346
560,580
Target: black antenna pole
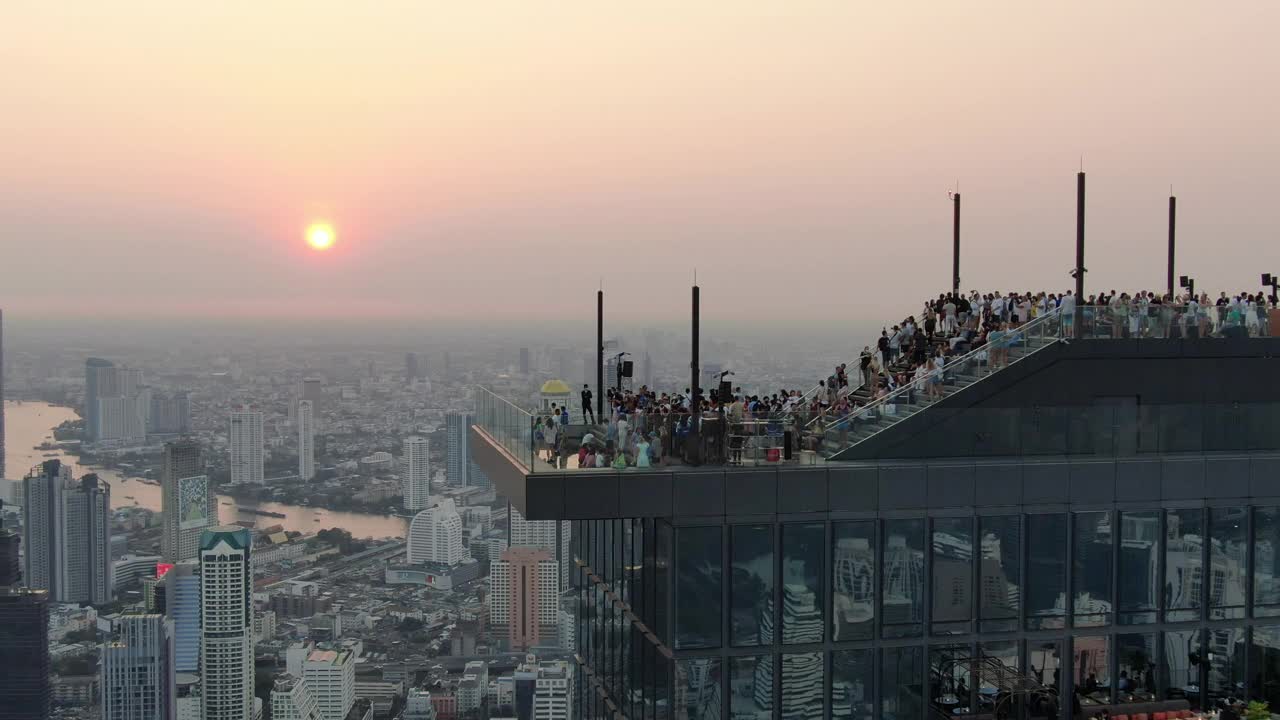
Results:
x,y
1079,254
599,353
695,393
955,252
1173,221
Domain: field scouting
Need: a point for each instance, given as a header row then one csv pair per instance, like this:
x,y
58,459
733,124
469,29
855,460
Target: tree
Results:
x,y
1257,710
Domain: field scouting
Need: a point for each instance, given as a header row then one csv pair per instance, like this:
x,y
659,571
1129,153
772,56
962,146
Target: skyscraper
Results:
x,y
137,670
189,505
25,688
547,535
524,597
99,378
226,623
182,607
458,452
435,535
306,440
524,361
67,534
330,676
543,691
411,366
246,447
10,563
170,413
417,472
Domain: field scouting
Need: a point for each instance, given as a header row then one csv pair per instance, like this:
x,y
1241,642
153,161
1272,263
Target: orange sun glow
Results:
x,y
320,236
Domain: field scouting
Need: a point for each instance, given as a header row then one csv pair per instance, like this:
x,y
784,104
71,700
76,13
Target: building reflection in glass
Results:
x,y
1000,589
903,585
853,581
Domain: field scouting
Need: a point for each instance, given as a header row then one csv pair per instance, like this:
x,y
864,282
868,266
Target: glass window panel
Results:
x,y
1264,665
698,599
1226,658
751,585
751,687
853,580
1184,576
1046,571
997,677
1228,562
903,563
1000,582
1044,430
803,680
1091,573
698,681
952,575
1180,669
1139,567
1136,657
803,575
1044,662
901,678
1091,663
949,675
853,684
1266,561
662,563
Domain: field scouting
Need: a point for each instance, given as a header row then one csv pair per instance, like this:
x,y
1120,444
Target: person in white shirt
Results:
x,y
1067,312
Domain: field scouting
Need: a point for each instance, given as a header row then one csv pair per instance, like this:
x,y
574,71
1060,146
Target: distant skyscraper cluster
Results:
x,y
67,534
246,447
117,406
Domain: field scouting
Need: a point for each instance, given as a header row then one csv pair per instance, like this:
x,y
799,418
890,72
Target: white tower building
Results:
x,y
550,535
246,447
330,676
226,623
137,670
306,440
417,472
292,700
435,535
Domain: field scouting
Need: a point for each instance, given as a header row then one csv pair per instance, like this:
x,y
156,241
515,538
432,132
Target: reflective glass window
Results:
x,y
1181,665
1091,668
751,687
803,682
1266,561
1091,572
1044,663
698,589
1228,562
992,693
1136,659
952,575
699,683
1184,571
1226,664
901,675
1139,575
853,684
1046,571
1264,664
853,580
949,676
902,599
1000,575
751,584
803,578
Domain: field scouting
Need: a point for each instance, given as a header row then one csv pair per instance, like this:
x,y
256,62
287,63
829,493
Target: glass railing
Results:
x,y
835,431
1125,321
509,425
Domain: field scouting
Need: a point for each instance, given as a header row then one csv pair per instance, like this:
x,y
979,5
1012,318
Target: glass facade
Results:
x,y
889,617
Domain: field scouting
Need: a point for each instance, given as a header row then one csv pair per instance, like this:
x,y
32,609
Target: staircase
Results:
x,y
838,434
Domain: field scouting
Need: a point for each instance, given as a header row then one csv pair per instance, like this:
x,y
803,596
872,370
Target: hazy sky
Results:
x,y
499,158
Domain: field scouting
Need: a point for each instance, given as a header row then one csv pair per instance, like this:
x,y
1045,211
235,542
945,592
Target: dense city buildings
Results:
x,y
306,440
246,447
138,678
435,536
170,413
189,504
524,597
226,623
416,467
67,534
292,700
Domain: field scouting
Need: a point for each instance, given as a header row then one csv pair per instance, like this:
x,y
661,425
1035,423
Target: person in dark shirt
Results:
x,y
587,410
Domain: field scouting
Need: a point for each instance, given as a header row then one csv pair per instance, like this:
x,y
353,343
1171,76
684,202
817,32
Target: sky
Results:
x,y
501,160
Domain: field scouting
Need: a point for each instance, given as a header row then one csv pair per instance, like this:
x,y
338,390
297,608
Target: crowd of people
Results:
x,y
644,428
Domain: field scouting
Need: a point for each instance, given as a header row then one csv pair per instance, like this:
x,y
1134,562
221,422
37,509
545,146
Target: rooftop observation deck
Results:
x,y
1101,384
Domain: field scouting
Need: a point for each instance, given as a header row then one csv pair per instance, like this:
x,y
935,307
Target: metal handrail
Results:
x,y
972,354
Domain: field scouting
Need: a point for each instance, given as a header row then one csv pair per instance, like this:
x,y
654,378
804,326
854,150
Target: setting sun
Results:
x,y
320,236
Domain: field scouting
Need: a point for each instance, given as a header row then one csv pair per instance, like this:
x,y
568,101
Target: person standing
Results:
x,y
587,410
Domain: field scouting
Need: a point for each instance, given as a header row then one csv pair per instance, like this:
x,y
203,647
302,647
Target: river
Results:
x,y
30,424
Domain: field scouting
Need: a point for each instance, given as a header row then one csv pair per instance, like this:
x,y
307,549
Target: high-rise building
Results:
x,y
115,410
99,379
170,413
182,606
189,504
416,463
435,536
418,705
306,440
524,361
137,670
67,534
312,389
25,688
292,700
187,692
226,623
122,419
246,447
411,366
330,676
547,535
458,452
524,597
543,691
10,562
